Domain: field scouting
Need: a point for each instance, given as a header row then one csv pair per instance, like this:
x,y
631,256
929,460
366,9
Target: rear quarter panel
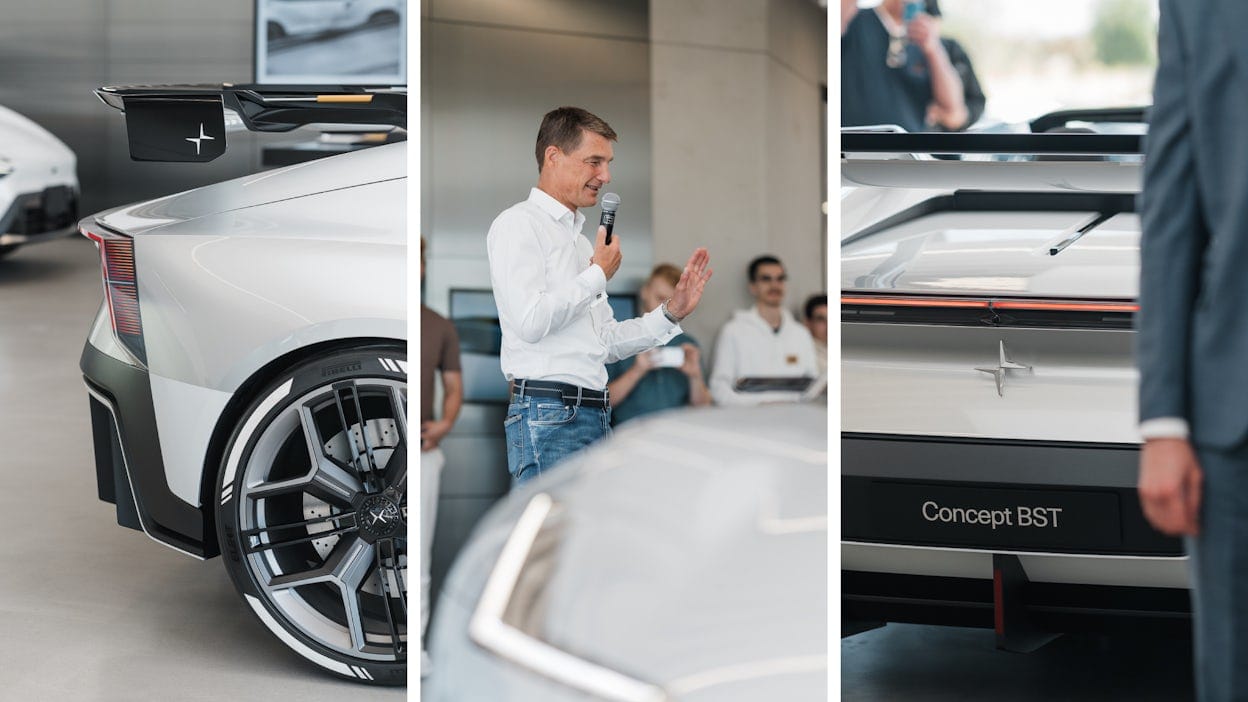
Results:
x,y
223,295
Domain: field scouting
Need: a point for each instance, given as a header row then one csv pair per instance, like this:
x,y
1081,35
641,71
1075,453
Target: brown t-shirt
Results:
x,y
439,350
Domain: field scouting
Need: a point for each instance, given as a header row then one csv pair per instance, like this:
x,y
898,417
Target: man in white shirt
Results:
x,y
762,341
550,287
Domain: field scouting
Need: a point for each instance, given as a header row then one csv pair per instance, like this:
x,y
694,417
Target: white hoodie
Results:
x,y
749,347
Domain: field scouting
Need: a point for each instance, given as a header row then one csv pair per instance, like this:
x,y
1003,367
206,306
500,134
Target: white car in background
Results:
x,y
311,17
38,184
989,442
684,559
248,368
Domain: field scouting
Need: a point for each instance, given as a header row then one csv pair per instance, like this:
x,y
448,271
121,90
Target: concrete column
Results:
x,y
738,121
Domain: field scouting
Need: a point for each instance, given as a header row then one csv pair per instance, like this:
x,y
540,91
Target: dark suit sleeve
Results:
x,y
1173,237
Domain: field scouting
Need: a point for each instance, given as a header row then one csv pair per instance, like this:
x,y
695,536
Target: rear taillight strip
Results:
x,y
993,303
121,288
979,311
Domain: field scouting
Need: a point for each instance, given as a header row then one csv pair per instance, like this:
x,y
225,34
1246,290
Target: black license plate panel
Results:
x,y
1003,518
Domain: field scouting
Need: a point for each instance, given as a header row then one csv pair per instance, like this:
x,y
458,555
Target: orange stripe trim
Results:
x,y
344,98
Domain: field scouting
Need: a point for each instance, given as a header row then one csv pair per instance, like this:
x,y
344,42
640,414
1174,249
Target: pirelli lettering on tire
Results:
x,y
1019,516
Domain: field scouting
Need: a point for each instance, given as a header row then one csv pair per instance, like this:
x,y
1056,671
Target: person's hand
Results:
x,y
924,32
849,8
431,433
1169,486
643,363
692,366
692,282
607,256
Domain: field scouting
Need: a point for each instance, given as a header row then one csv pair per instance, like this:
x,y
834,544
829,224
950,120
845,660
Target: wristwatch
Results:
x,y
668,313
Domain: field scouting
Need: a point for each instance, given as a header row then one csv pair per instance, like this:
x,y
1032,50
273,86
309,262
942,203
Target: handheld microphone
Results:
x,y
610,202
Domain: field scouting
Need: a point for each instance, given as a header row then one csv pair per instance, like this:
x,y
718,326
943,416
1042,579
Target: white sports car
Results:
x,y
311,17
989,453
683,559
38,184
248,374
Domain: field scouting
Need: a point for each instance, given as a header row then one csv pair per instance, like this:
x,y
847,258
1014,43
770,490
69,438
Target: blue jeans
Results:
x,y
543,431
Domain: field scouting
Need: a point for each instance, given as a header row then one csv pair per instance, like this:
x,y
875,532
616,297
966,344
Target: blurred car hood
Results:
x,y
693,553
371,165
36,157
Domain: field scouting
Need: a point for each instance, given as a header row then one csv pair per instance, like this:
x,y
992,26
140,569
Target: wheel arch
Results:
x,y
242,398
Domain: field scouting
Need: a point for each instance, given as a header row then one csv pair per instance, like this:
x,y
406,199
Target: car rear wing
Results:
x,y
187,123
1066,162
1100,115
992,143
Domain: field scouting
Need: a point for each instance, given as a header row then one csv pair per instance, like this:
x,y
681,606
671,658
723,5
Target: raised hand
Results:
x,y
691,284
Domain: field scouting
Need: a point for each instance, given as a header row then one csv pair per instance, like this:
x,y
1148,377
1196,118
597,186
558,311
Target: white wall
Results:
x,y
739,122
490,70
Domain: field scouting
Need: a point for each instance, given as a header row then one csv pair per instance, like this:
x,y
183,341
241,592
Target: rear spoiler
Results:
x,y
1071,162
1120,115
186,123
991,143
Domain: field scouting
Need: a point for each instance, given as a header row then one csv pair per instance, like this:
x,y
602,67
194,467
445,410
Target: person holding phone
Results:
x,y
896,69
550,288
662,378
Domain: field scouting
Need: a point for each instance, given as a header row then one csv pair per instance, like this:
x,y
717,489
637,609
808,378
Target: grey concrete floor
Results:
x,y
905,662
90,611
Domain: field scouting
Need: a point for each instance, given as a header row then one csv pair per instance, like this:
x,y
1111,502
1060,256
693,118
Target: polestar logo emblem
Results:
x,y
1004,364
201,137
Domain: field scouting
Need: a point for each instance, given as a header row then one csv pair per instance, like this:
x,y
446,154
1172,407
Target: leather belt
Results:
x,y
571,395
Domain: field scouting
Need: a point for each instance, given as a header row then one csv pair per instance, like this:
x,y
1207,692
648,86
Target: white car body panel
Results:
x,y
1082,394
280,282
373,165
36,158
963,253
1043,568
315,16
185,418
925,382
264,244
690,559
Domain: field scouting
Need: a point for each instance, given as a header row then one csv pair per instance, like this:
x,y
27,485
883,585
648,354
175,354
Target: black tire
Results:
x,y
321,451
8,249
273,30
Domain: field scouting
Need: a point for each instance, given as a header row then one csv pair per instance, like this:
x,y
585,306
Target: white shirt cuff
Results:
x,y
1164,428
595,278
659,326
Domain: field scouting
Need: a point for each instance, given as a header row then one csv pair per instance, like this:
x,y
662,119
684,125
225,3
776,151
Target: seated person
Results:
x,y
762,341
639,385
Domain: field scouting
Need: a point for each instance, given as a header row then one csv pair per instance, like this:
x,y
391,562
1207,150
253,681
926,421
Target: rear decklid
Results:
x,y
994,315
372,165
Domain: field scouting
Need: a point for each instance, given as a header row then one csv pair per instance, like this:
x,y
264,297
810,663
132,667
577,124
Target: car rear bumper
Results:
x,y
992,602
931,524
996,495
129,467
40,216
